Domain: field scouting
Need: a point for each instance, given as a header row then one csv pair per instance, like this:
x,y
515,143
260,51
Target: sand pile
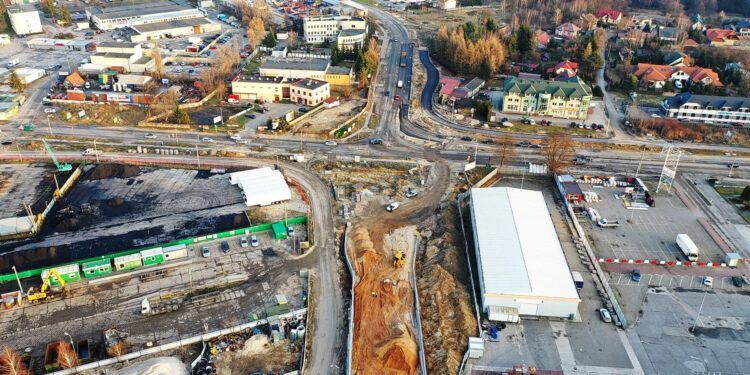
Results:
x,y
156,366
258,353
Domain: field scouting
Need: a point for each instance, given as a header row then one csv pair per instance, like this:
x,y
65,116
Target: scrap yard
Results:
x,y
130,258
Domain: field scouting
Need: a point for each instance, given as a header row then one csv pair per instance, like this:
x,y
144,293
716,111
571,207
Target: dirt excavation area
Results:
x,y
384,337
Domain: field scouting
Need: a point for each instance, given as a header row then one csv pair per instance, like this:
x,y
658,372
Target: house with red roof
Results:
x,y
567,30
542,39
697,75
721,37
655,76
565,68
447,85
608,16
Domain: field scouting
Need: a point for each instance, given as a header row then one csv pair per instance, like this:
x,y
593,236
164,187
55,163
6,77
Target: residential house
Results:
x,y
309,92
542,39
469,89
447,85
446,4
721,110
721,37
74,80
546,98
267,89
668,34
633,36
696,75
655,76
639,22
677,58
689,43
588,21
697,22
608,16
652,75
567,31
565,69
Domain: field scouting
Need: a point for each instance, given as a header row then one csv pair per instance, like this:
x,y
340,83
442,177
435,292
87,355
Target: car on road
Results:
x,y
746,279
290,231
655,115
243,242
235,137
330,143
397,98
91,151
524,144
150,136
606,317
225,246
529,121
393,206
733,165
708,281
737,281
250,115
376,141
488,141
206,252
410,193
50,110
303,110
207,139
387,93
466,138
240,141
254,241
636,275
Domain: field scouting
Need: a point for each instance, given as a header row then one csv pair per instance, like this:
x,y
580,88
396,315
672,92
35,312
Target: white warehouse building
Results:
x,y
25,19
261,186
522,270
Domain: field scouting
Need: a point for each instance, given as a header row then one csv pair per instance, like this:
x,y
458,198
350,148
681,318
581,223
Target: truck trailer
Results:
x,y
578,279
687,246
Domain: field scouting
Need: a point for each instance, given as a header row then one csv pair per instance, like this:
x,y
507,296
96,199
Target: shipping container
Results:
x,y
152,256
175,252
77,95
96,268
68,272
127,262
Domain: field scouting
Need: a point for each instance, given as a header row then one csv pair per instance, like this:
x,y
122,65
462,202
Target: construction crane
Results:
x,y
61,167
32,295
399,259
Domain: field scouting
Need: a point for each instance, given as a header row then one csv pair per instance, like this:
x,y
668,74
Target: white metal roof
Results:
x,y
262,186
151,252
127,258
518,247
15,225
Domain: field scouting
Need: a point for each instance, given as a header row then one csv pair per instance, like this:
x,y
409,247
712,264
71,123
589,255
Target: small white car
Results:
x,y
606,317
207,139
410,193
50,110
240,141
150,136
290,231
254,241
330,143
243,241
708,281
654,115
235,137
392,207
91,151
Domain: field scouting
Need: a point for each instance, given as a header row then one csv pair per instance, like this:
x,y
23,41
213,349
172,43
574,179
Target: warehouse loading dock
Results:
x,y
522,270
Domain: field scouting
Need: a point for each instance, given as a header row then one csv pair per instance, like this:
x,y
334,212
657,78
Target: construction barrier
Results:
x,y
661,262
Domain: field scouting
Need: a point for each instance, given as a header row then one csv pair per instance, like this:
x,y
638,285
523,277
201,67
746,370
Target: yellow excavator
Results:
x,y
33,296
399,259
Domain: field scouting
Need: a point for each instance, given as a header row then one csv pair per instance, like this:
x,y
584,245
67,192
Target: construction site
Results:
x,y
145,263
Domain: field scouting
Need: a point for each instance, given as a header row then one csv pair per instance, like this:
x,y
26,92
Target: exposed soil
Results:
x,y
103,171
258,353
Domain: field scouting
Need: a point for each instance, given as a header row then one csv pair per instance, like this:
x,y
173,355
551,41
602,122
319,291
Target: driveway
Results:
x,y
275,110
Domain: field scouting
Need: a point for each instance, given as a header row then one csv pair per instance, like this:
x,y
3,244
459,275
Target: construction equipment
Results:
x,y
61,167
32,295
399,259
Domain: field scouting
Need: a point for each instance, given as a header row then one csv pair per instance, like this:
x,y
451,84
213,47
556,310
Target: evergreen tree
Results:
x,y
4,18
270,39
64,15
335,55
180,116
745,196
485,70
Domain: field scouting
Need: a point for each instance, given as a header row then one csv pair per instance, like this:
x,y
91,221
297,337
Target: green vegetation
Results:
x,y
251,66
730,191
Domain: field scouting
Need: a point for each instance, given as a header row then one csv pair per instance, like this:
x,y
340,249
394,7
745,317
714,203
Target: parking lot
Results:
x,y
275,110
652,234
676,281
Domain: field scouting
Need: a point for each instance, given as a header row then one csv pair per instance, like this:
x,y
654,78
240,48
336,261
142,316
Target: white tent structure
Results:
x,y
521,265
262,186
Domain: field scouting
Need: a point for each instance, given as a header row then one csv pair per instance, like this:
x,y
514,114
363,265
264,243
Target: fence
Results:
x,y
173,345
418,319
350,340
187,241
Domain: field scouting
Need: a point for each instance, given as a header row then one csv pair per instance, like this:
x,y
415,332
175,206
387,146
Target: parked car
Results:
x,y
206,252
376,141
746,279
50,110
329,143
290,231
240,141
150,136
250,115
488,141
225,246
606,317
243,242
636,275
235,137
303,110
708,281
410,193
397,98
733,165
254,241
393,206
524,144
207,139
466,138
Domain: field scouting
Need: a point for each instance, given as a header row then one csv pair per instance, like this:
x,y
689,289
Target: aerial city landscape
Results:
x,y
394,187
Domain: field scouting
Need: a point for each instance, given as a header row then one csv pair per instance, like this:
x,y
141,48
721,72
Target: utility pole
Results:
x,y
49,127
198,155
643,152
96,152
699,313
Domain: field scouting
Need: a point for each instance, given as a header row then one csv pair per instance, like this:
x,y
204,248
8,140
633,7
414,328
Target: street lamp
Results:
x,y
96,153
72,344
49,127
20,288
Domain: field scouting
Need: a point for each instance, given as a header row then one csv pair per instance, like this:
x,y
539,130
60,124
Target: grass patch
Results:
x,y
250,66
729,191
537,129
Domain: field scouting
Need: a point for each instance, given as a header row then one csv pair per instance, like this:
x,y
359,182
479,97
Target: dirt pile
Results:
x,y
448,318
258,353
384,340
104,171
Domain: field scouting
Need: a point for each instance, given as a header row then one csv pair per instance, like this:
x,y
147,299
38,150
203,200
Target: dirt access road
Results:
x,y
385,339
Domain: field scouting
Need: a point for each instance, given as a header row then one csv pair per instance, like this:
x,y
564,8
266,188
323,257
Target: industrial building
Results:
x,y
340,75
309,92
29,75
720,110
130,15
522,270
268,89
319,29
171,29
295,68
25,19
261,186
122,56
61,44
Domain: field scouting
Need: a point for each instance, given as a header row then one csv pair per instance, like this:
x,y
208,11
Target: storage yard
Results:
x,y
167,271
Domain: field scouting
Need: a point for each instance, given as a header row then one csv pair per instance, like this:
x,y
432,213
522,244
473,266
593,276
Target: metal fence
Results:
x,y
418,317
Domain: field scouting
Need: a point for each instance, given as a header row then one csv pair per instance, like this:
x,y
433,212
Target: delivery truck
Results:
x,y
400,84
578,279
687,246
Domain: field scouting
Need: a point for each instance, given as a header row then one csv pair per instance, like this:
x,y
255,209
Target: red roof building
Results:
x,y
721,37
607,15
567,67
447,85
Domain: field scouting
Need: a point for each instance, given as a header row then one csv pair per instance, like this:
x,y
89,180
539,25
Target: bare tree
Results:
x,y
11,363
158,71
256,31
291,40
505,150
558,150
66,355
118,349
163,102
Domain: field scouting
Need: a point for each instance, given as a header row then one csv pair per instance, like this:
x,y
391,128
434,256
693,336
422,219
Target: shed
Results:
x,y
127,262
261,186
175,252
68,272
74,80
520,262
97,268
152,256
279,230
